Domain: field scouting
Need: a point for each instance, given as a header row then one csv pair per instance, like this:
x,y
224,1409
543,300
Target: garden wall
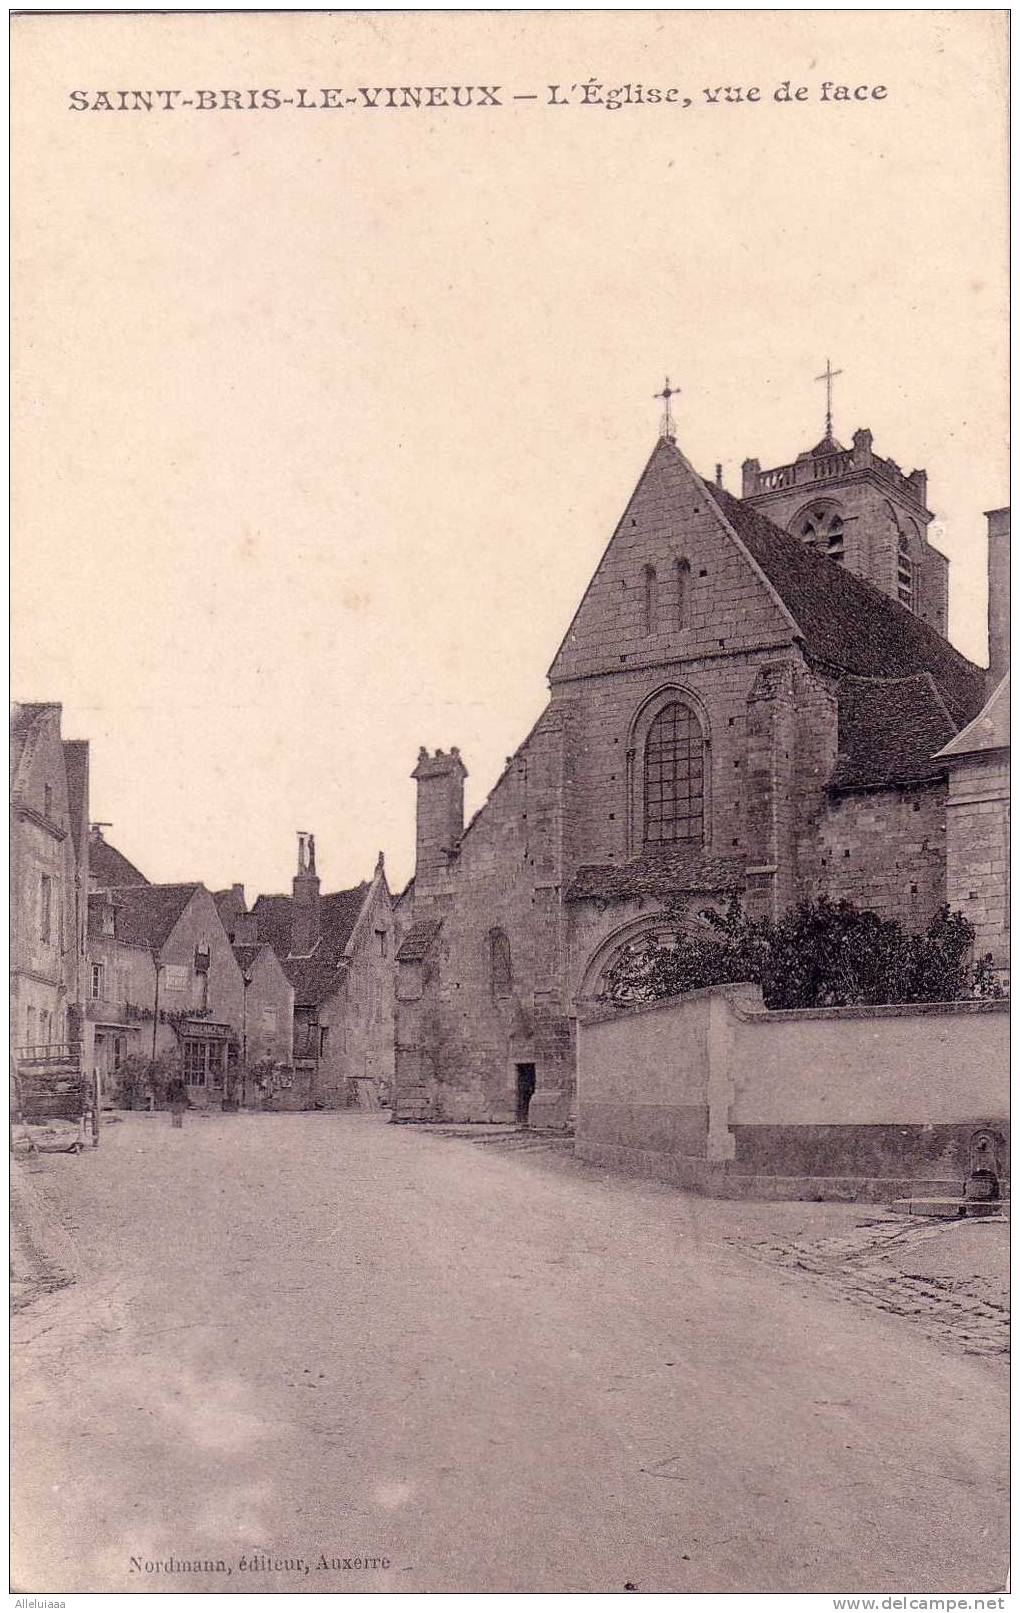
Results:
x,y
711,1091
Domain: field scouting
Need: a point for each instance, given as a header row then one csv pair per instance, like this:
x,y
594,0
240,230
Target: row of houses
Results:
x,y
286,1004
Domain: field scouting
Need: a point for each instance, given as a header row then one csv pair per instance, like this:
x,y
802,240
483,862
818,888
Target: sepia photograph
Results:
x,y
509,804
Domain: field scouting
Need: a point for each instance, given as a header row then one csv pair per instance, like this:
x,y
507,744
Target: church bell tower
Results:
x,y
860,511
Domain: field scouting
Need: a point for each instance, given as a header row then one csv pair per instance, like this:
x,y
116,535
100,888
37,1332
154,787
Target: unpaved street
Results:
x,y
324,1337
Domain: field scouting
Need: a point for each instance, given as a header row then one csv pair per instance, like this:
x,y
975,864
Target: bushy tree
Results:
x,y
138,1078
819,954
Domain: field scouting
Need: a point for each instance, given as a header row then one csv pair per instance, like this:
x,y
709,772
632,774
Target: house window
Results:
x,y
674,777
108,921
383,942
203,1062
96,981
501,975
269,1019
48,800
820,527
651,600
683,592
46,907
175,977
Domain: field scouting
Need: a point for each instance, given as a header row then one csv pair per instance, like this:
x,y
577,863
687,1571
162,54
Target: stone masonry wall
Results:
x,y
977,853
881,849
465,1033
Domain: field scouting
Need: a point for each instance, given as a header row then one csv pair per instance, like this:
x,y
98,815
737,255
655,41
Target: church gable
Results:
x,y
675,582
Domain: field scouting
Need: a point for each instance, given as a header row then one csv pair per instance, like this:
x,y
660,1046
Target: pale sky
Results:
x,y
323,419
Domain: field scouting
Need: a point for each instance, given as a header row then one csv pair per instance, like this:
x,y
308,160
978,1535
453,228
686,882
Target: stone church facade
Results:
x,y
749,701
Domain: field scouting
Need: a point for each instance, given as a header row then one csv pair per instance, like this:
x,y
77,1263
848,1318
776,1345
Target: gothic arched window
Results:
x,y
499,964
651,601
820,526
674,783
683,592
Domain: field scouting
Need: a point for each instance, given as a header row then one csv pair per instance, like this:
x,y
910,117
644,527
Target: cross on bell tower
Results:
x,y
828,375
667,427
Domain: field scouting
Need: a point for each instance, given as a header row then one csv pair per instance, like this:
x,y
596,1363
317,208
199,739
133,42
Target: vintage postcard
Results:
x,y
509,801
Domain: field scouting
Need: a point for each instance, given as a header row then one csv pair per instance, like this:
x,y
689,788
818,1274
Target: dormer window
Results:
x,y
820,527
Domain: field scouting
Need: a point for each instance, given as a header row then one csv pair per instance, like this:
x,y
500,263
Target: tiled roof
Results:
x,y
682,868
989,729
109,868
146,914
889,731
418,940
846,621
315,977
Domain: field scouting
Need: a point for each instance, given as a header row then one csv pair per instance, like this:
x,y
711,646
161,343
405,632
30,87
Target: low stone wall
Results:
x,y
714,1093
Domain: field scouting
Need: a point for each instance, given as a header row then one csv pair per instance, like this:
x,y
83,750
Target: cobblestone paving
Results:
x,y
968,1314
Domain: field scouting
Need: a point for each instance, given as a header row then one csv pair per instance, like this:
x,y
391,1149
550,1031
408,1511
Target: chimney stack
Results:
x,y
305,919
998,596
440,817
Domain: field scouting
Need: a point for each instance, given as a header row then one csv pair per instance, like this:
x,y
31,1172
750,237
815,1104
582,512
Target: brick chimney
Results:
x,y
998,596
440,819
305,921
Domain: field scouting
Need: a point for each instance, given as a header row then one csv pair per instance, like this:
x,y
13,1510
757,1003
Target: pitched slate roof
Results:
x,y
146,914
847,622
681,868
418,940
315,977
109,868
989,730
889,731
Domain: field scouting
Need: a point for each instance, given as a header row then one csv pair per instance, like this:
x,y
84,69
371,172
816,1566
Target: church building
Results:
x,y
754,698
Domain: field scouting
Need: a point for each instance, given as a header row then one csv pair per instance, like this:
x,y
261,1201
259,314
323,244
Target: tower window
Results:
x,y
651,600
674,779
820,527
905,573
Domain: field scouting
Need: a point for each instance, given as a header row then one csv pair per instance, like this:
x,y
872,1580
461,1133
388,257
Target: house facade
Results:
x,y
49,873
337,952
267,1028
739,708
163,979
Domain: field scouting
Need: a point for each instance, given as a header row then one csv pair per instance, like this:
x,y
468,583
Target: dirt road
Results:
x,y
318,1352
